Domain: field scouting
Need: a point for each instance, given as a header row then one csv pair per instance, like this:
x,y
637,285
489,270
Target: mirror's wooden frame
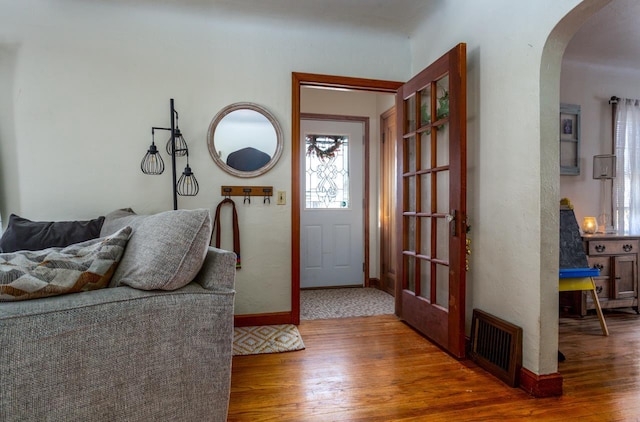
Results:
x,y
244,106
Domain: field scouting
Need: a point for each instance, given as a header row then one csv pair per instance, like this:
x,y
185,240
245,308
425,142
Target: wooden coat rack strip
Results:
x,y
257,191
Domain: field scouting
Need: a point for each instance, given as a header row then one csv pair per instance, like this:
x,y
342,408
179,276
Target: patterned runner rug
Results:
x,y
266,339
344,303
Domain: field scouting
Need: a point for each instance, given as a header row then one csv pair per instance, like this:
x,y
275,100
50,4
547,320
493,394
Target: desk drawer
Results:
x,y
612,247
602,288
603,263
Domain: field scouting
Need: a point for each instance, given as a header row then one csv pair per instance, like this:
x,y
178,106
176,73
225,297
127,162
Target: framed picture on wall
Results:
x,y
569,139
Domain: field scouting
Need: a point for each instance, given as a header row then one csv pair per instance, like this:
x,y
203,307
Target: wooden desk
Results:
x,y
585,284
616,256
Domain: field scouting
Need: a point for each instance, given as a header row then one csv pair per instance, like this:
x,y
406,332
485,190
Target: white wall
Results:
x,y
512,196
591,87
87,80
8,58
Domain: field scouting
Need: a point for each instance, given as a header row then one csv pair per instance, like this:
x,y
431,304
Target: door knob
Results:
x,y
451,218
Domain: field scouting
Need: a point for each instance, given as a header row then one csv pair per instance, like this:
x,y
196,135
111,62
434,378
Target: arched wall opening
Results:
x,y
550,68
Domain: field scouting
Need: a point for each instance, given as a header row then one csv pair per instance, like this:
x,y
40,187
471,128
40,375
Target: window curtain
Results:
x,y
626,185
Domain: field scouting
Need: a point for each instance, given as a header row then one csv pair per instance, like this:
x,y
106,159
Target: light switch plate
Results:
x,y
282,197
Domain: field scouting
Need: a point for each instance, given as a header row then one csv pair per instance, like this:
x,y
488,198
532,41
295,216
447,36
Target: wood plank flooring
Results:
x,y
378,369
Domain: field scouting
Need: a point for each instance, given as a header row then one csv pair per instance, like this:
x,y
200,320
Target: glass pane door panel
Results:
x,y
442,241
411,194
442,285
410,113
425,191
410,154
442,103
442,186
425,279
442,194
425,151
425,236
411,237
425,106
410,273
442,145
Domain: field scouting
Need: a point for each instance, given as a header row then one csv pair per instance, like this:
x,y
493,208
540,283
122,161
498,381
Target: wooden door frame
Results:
x,y
382,283
327,81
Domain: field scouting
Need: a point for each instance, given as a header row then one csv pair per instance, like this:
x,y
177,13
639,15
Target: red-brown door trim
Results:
x,y
298,80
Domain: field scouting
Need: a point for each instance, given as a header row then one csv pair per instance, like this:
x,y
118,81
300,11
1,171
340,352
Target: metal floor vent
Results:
x,y
496,346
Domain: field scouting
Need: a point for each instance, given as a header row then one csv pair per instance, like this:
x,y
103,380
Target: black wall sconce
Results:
x,y
153,164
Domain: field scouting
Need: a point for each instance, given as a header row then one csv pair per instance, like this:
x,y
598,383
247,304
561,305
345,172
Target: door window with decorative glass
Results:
x,y
327,171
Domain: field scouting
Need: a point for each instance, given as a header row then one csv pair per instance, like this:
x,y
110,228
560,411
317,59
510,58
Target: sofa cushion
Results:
x,y
23,234
166,250
83,266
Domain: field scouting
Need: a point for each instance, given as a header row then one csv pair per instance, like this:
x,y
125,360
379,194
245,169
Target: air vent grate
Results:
x,y
496,346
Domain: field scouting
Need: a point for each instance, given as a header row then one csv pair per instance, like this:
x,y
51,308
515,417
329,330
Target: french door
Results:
x,y
431,145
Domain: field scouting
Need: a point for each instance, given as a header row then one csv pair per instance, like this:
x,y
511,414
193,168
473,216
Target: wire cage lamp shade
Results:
x,y
604,166
187,184
153,164
180,144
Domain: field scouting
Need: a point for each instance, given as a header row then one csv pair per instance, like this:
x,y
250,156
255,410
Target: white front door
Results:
x,y
331,215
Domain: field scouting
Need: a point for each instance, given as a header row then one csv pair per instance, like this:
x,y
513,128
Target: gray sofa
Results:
x,y
121,353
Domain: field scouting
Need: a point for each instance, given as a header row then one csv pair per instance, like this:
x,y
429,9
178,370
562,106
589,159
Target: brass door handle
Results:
x,y
468,252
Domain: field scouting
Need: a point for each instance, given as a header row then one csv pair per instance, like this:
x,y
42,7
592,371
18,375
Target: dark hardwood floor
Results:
x,y
379,369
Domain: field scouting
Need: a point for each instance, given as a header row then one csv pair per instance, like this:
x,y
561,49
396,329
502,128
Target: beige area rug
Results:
x,y
266,339
344,303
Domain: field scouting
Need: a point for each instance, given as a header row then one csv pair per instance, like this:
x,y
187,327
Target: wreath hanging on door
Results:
x,y
324,146
441,113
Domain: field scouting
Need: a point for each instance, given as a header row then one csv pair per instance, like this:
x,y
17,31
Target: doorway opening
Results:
x,y
301,81
333,215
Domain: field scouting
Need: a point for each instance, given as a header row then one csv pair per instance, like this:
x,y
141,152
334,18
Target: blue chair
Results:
x,y
573,279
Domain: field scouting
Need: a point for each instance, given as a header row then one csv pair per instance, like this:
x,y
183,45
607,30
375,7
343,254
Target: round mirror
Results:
x,y
245,140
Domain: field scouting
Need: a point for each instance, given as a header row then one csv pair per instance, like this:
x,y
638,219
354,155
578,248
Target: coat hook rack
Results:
x,y
247,191
267,192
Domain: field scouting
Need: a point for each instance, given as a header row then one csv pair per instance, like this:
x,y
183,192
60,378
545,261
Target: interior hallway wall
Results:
x,y
92,78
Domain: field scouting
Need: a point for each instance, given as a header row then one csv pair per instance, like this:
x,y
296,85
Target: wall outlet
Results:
x,y
282,197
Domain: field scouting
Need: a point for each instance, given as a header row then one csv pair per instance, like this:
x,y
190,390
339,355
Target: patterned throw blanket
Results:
x,y
80,267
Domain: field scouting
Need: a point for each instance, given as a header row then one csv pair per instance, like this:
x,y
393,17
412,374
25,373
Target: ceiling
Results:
x,y
400,17
611,37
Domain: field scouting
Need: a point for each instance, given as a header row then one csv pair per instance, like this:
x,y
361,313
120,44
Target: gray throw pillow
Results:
x,y
166,250
26,235
80,267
